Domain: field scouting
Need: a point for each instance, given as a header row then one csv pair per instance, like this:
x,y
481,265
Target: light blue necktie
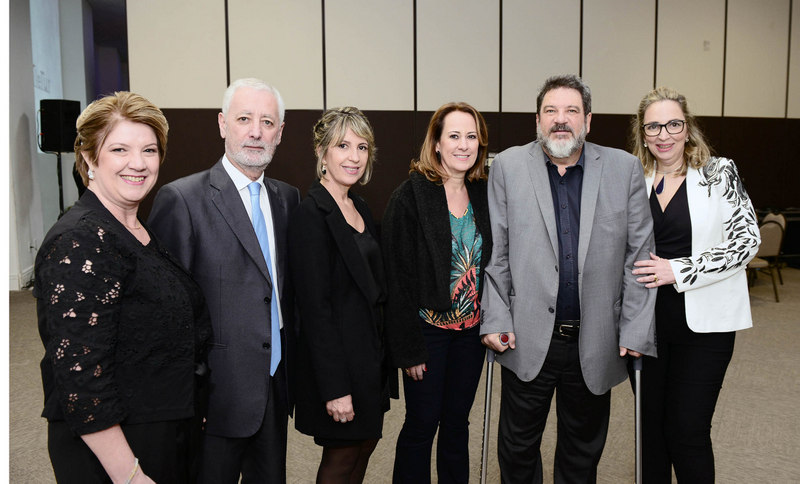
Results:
x,y
260,225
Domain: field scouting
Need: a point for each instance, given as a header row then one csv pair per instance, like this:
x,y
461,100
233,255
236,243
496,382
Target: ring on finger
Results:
x,y
655,278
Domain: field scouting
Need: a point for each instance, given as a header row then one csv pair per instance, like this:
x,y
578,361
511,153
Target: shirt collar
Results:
x,y
240,180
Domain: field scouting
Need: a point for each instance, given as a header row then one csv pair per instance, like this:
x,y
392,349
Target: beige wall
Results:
x,y
458,53
755,68
177,52
369,46
280,42
618,53
794,65
532,33
691,51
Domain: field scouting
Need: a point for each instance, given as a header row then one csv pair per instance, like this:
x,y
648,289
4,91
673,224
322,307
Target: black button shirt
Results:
x,y
566,192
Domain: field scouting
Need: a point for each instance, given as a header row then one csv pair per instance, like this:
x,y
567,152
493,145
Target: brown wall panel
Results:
x,y
195,144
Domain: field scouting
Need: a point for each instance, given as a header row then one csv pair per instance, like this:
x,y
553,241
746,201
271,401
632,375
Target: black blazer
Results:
x,y
340,349
203,222
417,249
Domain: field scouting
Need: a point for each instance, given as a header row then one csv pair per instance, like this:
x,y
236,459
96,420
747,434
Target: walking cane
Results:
x,y
637,382
487,409
487,413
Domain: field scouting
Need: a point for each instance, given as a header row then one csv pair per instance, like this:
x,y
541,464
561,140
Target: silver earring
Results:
x,y
645,144
90,174
324,170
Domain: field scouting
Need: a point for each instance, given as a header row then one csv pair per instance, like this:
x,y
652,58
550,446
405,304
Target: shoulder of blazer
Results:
x,y
716,173
282,188
520,153
594,151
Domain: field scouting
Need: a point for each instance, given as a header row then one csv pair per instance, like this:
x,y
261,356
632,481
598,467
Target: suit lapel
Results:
x,y
592,173
540,179
280,223
228,201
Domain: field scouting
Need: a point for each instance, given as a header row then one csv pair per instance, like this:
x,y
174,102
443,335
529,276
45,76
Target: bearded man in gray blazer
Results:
x,y
569,219
228,226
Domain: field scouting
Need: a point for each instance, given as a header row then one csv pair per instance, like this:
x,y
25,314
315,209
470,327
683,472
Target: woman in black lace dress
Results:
x,y
123,325
706,233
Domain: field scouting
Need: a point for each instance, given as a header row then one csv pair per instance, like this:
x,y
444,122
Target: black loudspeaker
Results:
x,y
58,130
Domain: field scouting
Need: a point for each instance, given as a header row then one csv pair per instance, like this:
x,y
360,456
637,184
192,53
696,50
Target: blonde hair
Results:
x,y
331,129
100,117
430,166
696,153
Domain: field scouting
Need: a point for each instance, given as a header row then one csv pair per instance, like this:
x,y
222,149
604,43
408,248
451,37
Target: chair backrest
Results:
x,y
771,239
776,217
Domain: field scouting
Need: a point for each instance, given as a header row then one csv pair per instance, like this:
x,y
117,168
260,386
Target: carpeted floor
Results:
x,y
756,429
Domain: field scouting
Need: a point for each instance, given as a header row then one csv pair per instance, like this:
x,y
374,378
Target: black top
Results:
x,y
124,326
371,252
672,229
566,192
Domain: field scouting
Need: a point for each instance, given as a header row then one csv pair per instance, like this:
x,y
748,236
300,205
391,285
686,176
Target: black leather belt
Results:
x,y
567,329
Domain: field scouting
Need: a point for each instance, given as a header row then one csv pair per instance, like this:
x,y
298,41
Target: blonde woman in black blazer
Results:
x,y
335,261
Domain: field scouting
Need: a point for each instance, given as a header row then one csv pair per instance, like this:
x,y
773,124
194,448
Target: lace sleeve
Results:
x,y
739,225
81,279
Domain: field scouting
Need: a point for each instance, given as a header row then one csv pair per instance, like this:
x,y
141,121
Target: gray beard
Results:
x,y
561,148
260,163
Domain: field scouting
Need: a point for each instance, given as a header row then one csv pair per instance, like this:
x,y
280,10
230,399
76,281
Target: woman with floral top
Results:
x,y
436,243
706,233
124,326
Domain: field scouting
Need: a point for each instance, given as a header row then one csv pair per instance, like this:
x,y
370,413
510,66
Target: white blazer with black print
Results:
x,y
725,237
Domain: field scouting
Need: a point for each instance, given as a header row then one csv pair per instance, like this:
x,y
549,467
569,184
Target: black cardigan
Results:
x,y
417,250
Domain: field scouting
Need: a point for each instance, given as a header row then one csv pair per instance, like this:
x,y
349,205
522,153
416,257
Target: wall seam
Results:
x,y
788,62
580,47
724,60
500,70
324,62
227,48
655,48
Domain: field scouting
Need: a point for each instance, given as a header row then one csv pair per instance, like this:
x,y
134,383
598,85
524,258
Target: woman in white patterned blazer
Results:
x,y
706,232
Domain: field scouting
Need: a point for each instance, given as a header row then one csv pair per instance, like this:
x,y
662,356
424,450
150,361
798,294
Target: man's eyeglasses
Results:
x,y
673,127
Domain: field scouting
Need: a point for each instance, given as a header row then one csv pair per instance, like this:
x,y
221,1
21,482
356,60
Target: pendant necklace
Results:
x,y
660,186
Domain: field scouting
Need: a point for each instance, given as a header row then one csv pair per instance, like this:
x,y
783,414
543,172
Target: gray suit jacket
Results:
x,y
203,223
616,229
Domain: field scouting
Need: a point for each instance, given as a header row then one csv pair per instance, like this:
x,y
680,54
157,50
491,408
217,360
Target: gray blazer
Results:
x,y
203,223
616,229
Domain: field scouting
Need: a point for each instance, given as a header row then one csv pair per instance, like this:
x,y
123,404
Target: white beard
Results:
x,y
561,148
252,160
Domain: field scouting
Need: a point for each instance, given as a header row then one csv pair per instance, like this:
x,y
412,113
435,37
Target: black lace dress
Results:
x,y
125,331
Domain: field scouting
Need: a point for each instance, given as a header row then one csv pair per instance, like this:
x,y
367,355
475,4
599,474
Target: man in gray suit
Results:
x,y
561,306
227,226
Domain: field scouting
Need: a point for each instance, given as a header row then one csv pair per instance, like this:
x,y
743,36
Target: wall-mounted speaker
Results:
x,y
57,123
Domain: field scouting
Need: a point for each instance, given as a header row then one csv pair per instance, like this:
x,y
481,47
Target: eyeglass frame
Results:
x,y
664,126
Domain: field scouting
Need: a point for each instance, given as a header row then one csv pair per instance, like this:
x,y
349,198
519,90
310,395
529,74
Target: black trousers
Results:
x,y
165,451
679,394
260,458
441,402
582,420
